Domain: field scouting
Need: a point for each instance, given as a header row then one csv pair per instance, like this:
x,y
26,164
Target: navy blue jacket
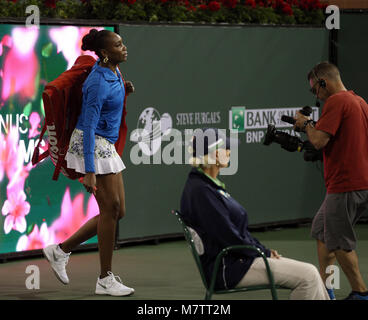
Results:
x,y
220,221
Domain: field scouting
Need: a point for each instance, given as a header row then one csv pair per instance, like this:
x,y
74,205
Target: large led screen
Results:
x,y
35,210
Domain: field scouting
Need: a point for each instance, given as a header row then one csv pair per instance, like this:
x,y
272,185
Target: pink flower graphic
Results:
x,y
3,156
92,208
15,208
71,49
72,215
10,159
18,79
5,41
37,239
34,120
18,179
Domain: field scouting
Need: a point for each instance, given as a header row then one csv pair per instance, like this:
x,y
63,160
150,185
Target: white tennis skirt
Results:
x,y
106,159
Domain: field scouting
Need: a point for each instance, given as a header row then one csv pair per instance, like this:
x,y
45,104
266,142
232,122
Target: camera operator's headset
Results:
x,y
322,84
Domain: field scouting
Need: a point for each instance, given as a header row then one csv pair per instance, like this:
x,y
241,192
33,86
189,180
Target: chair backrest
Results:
x,y
195,246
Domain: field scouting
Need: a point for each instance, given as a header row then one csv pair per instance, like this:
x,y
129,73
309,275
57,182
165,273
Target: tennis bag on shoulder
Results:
x,y
62,99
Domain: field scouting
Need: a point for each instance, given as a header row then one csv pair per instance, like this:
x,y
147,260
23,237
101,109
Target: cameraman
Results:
x,y
342,133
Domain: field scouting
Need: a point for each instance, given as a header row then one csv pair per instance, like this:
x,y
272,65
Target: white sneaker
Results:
x,y
112,285
58,260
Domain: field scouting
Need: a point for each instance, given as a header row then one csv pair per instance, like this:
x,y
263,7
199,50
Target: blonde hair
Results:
x,y
202,162
324,69
205,161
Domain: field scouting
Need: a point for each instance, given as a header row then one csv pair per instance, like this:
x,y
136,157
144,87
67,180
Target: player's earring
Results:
x,y
105,60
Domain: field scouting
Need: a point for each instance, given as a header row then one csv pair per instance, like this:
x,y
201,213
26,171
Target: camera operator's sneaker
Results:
x,y
356,296
112,285
58,260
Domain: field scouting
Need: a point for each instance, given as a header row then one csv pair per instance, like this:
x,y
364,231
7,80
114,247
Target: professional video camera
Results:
x,y
293,143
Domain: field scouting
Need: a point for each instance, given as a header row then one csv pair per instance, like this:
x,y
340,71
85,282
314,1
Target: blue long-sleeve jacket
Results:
x,y
102,107
220,221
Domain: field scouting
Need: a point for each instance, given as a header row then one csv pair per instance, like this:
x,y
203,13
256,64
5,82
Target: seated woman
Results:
x,y
221,221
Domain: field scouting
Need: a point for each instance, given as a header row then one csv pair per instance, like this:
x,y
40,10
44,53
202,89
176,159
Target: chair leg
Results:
x,y
274,293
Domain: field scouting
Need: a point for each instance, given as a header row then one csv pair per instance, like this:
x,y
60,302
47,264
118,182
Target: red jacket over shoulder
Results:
x,y
62,100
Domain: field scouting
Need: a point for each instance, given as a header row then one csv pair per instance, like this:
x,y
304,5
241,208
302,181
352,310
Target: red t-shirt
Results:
x,y
345,118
